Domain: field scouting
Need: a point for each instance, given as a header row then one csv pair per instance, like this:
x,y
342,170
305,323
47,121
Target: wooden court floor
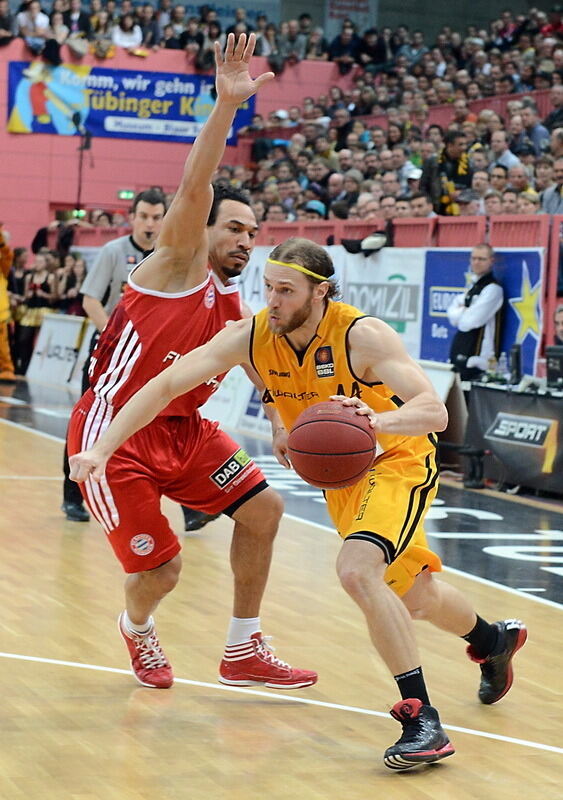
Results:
x,y
75,725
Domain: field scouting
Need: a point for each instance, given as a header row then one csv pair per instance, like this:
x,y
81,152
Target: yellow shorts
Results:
x,y
387,507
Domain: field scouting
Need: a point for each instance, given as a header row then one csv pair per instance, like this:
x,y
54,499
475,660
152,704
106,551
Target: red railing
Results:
x,y
274,233
414,232
520,230
460,231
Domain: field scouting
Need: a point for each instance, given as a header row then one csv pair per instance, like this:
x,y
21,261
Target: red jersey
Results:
x,y
149,330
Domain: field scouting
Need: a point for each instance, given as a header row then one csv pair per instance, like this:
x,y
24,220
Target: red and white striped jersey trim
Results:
x,y
99,494
123,359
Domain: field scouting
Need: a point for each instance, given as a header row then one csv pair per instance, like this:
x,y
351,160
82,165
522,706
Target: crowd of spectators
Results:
x,y
338,165
371,152
512,54
37,285
327,158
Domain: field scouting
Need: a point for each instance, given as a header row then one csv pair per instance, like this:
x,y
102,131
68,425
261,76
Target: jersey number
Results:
x,y
355,391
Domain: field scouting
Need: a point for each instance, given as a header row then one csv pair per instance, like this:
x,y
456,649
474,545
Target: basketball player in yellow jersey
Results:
x,y
306,348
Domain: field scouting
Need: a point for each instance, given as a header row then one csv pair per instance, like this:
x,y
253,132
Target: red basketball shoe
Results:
x,y
253,663
148,662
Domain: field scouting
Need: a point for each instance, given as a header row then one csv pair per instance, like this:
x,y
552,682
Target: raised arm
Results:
x,y
227,349
378,353
183,238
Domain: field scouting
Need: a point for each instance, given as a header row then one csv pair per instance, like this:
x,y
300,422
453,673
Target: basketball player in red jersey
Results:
x,y
177,299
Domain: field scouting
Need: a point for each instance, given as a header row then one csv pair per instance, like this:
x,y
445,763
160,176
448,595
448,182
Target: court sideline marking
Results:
x,y
285,698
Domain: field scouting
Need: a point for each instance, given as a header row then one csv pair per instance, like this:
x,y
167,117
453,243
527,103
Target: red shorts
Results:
x,y
188,459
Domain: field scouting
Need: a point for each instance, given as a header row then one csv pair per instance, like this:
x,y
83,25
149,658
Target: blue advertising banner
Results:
x,y
521,273
112,102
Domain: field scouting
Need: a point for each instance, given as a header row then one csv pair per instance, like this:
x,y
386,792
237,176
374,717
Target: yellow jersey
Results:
x,y
294,381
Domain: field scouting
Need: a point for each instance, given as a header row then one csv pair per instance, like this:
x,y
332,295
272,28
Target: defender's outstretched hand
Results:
x,y
233,81
87,464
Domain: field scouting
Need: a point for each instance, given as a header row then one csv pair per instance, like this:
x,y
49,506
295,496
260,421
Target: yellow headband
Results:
x,y
298,267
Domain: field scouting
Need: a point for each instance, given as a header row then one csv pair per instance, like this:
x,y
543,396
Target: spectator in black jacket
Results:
x,y
344,49
169,41
191,40
77,20
343,124
445,175
372,51
7,23
149,26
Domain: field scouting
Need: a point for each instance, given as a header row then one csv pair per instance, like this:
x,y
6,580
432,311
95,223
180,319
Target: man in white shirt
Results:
x,y
476,315
34,26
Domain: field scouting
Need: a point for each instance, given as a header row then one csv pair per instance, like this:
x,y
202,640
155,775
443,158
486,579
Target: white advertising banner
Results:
x,y
55,350
253,420
229,402
89,254
388,285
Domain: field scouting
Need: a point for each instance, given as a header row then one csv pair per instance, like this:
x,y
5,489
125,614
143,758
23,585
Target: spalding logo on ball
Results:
x,y
331,446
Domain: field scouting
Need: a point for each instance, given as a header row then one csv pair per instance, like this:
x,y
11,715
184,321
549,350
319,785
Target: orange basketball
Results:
x,y
331,446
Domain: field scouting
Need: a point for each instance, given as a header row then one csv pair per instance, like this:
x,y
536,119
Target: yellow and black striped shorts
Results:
x,y
387,507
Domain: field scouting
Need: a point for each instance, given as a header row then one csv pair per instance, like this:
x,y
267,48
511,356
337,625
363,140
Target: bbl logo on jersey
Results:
x,y
209,299
324,362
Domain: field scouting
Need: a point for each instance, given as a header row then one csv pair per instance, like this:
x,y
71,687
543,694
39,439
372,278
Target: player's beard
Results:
x,y
297,319
232,272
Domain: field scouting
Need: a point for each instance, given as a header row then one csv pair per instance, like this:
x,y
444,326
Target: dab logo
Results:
x,y
231,469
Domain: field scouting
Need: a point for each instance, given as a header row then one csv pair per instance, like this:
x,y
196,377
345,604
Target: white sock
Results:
x,y
140,629
240,630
